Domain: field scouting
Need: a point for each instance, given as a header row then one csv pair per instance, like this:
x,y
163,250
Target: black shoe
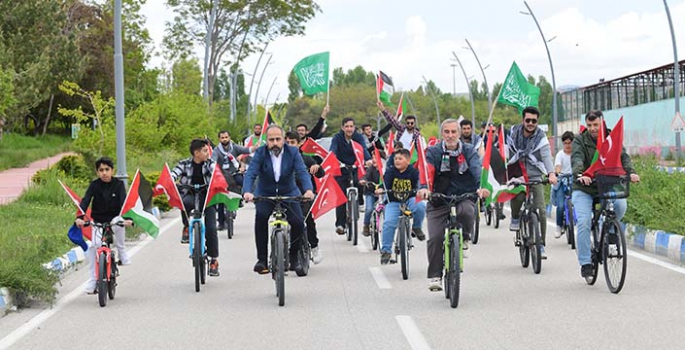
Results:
x,y
385,258
502,216
587,271
184,236
295,264
261,268
419,234
221,227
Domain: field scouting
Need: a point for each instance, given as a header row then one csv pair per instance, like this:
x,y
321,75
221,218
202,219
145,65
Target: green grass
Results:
x,y
17,151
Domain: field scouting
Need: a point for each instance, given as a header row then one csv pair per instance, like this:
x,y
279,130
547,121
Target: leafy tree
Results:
x,y
187,76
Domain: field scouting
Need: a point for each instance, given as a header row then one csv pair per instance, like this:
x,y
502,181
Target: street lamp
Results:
x,y
676,80
119,94
482,70
261,79
254,74
454,80
269,93
551,67
468,85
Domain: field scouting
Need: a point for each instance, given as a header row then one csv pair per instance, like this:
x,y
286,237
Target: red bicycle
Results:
x,y
106,270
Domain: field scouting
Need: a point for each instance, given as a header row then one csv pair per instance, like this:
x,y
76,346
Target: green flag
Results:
x,y
517,92
313,73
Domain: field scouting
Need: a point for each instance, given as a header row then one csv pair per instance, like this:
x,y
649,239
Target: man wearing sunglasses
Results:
x,y
531,154
407,133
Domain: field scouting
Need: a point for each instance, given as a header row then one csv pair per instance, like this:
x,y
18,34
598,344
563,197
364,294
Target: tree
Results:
x,y
187,76
294,87
240,26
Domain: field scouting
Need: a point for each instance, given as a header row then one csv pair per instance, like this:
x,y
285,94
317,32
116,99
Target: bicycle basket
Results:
x,y
612,186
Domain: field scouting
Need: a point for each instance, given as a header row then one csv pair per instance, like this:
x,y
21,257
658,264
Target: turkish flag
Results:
x,y
331,165
432,141
165,185
609,160
330,196
311,148
359,155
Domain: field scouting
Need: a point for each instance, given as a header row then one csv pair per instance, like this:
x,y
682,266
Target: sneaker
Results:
x,y
184,236
221,227
543,255
124,260
419,234
261,268
90,287
340,230
214,268
502,216
466,252
385,258
317,256
558,232
435,284
366,231
587,271
515,225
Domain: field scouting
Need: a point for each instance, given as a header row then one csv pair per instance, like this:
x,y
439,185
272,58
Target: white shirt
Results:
x,y
564,160
407,138
276,161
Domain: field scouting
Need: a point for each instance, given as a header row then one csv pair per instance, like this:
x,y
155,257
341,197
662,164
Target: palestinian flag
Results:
x,y
384,88
268,120
218,193
413,153
498,192
401,108
138,205
312,148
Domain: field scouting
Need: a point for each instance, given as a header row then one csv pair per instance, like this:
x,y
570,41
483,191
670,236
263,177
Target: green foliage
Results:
x,y
656,202
187,76
6,89
17,151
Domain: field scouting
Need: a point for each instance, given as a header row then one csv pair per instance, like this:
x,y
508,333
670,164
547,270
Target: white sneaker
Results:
x,y
435,284
124,259
317,255
90,287
466,252
557,233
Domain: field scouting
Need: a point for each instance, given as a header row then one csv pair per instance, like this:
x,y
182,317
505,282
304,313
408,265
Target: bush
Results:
x,y
656,202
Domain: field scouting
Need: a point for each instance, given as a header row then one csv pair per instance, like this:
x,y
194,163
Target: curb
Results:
x,y
59,264
658,242
670,169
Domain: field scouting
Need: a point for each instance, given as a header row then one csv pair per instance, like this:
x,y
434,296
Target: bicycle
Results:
x,y
105,261
403,242
569,218
493,209
453,260
351,207
609,243
198,251
476,222
376,221
528,238
279,239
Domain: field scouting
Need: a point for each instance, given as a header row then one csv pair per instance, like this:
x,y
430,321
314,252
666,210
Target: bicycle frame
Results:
x,y
195,217
568,190
453,229
106,235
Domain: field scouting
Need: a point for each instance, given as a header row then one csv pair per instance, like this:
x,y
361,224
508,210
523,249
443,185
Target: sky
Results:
x,y
411,39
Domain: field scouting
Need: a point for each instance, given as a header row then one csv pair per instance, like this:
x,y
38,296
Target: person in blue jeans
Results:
x,y
562,166
585,191
402,177
370,181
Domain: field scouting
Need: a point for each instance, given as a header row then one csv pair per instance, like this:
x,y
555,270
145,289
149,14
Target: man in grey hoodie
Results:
x,y
531,153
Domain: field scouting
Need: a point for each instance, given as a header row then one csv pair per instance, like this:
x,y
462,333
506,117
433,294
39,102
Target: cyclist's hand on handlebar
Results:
x,y
362,182
515,181
634,178
423,193
309,195
379,191
585,180
248,197
369,163
79,222
483,193
552,178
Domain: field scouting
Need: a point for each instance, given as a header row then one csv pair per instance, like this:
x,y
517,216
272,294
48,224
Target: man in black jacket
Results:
x,y
317,130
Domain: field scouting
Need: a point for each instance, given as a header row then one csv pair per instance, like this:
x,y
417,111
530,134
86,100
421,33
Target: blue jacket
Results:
x,y
292,167
343,149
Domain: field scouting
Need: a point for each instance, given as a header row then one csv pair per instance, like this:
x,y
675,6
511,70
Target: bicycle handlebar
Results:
x,y
279,199
195,188
456,198
103,224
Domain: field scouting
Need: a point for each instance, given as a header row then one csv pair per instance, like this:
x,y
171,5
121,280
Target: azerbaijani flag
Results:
x,y
138,205
218,192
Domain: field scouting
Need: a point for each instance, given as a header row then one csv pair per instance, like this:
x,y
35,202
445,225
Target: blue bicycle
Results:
x,y
198,251
569,218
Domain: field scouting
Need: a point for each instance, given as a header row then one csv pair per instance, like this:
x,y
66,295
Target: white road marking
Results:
x,y
37,320
380,278
412,333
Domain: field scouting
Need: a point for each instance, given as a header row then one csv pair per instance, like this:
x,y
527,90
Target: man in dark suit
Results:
x,y
277,166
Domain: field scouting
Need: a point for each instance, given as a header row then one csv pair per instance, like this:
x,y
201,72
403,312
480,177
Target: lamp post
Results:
x,y
454,80
468,85
435,100
254,74
482,70
119,94
261,79
551,67
676,80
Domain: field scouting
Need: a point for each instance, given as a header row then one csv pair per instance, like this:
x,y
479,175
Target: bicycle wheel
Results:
x,y
198,261
229,224
488,215
355,219
570,220
446,264
102,280
348,221
280,250
594,254
524,250
476,225
614,256
404,246
373,230
498,211
305,256
112,284
454,270
535,243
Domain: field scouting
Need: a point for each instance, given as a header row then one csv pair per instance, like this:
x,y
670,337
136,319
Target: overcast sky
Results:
x,y
409,39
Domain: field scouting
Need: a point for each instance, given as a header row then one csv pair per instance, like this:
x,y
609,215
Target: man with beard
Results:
x,y
317,130
253,139
226,155
407,133
468,136
273,171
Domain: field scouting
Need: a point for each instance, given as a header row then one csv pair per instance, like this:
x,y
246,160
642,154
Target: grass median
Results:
x,y
17,151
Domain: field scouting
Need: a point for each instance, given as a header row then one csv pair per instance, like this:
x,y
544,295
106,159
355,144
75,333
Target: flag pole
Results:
x,y
328,93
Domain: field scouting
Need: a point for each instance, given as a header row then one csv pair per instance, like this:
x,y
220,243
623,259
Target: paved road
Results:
x,y
14,181
351,302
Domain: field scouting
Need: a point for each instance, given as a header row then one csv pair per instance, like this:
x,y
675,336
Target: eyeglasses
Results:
x,y
530,121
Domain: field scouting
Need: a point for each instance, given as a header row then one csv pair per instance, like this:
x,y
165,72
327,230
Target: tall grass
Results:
x,y
17,151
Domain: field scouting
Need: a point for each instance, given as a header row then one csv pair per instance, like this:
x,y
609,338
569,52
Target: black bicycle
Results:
x,y
608,239
279,239
352,206
105,261
528,237
403,241
569,217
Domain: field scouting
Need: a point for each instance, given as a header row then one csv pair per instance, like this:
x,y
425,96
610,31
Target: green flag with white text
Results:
x,y
313,73
517,92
